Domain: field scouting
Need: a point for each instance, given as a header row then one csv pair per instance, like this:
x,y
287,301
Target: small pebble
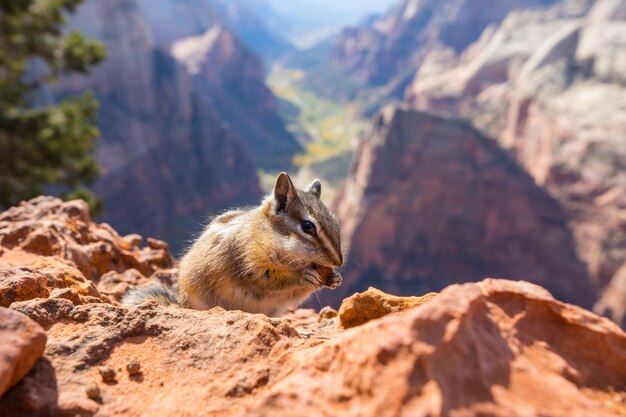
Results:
x,y
92,390
107,373
327,313
133,367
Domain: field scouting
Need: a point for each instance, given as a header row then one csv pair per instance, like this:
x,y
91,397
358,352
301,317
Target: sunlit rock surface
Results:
x,y
496,347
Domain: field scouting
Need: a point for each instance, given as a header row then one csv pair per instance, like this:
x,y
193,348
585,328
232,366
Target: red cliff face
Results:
x,y
255,22
394,46
230,77
549,85
430,201
214,41
168,159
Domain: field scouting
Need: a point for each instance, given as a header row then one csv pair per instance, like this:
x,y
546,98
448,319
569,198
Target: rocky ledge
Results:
x,y
492,348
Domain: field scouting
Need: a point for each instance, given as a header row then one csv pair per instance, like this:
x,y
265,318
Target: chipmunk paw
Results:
x,y
312,278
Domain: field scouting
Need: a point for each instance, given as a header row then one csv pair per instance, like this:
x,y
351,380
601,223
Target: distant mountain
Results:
x,y
306,22
544,79
180,139
254,22
230,77
391,48
258,25
550,84
228,74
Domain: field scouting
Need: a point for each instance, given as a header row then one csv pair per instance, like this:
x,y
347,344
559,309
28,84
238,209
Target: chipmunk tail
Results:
x,y
155,292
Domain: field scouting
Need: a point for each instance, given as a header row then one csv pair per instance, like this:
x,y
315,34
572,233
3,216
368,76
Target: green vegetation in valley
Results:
x,y
321,77
52,145
328,129
331,128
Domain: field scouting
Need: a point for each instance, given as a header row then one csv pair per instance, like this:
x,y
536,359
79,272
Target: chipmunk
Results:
x,y
266,259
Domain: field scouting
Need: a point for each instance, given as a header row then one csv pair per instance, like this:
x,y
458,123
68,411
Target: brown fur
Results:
x,y
259,260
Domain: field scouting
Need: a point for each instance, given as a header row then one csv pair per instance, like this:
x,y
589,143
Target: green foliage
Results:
x,y
41,146
321,78
331,127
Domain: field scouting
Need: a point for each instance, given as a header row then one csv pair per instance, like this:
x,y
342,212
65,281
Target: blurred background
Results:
x,y
455,139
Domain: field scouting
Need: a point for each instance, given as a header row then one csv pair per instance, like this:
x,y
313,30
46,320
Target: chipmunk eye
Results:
x,y
308,227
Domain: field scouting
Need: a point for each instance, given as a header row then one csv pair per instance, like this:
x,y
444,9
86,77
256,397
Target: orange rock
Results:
x,y
59,240
60,272
373,303
499,348
19,284
68,294
327,313
22,343
181,353
47,226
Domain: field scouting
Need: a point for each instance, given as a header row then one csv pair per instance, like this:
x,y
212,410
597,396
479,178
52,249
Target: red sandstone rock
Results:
x,y
19,284
47,226
59,272
497,347
372,304
22,342
72,252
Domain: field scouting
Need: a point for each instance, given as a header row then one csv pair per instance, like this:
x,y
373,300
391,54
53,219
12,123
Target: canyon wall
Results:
x,y
430,201
390,48
544,79
167,159
550,86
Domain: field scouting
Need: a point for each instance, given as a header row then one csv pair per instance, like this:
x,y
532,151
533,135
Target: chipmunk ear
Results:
x,y
284,192
315,188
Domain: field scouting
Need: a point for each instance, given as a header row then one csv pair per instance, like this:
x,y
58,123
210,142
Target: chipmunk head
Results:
x,y
309,233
